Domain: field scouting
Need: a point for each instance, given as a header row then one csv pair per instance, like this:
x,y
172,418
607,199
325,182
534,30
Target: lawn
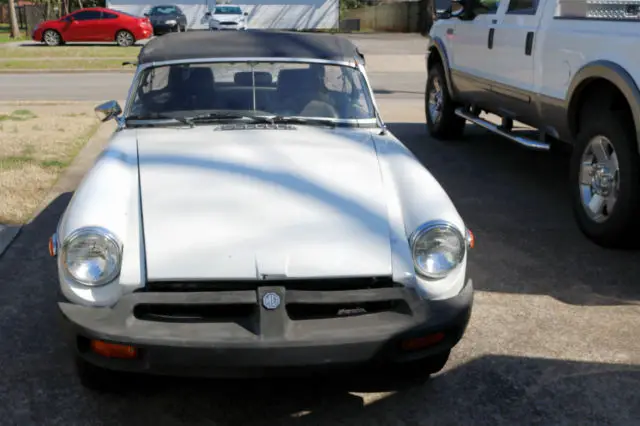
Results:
x,y
37,143
62,64
4,34
74,51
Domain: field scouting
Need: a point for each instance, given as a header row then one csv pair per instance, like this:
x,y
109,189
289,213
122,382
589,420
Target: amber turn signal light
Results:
x,y
422,342
113,350
471,239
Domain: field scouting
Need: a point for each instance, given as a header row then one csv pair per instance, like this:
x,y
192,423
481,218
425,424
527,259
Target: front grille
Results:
x,y
228,23
193,313
331,284
315,311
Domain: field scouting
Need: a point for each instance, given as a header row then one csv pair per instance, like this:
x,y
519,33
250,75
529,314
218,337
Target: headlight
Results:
x,y
171,22
437,249
91,256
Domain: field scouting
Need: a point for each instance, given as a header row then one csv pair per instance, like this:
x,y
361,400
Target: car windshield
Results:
x,y
163,10
228,10
330,92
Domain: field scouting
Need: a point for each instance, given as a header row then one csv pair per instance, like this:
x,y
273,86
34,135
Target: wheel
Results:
x,y
442,122
52,38
605,180
422,369
96,378
125,38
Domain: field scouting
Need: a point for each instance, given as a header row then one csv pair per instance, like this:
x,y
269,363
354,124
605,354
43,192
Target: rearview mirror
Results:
x,y
108,110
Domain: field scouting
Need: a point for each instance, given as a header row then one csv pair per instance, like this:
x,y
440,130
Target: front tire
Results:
x,y
605,181
125,38
52,38
442,122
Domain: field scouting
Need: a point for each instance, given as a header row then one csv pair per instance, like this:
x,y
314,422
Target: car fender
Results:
x,y
437,46
415,197
108,197
615,74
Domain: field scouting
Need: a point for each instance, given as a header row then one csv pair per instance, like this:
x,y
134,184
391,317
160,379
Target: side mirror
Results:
x,y
246,14
108,110
146,14
443,14
207,14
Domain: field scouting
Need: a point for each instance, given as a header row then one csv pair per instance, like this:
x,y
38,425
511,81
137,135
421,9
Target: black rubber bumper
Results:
x,y
270,340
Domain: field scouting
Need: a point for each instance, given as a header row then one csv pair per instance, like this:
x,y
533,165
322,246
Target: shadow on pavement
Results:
x,y
517,203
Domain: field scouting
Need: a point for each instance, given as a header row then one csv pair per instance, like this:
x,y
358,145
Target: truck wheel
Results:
x,y
605,181
95,378
442,122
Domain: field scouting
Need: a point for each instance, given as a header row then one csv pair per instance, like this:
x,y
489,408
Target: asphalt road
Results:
x,y
553,339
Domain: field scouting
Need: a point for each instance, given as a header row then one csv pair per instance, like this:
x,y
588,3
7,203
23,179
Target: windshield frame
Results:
x,y
354,64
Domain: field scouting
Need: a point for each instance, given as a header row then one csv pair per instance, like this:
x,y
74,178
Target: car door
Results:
x,y
513,43
474,64
107,27
82,26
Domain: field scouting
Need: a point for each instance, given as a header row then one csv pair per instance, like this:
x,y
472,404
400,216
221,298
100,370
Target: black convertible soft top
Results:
x,y
248,44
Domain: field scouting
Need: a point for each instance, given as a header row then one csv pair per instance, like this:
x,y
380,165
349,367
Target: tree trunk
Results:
x,y
13,20
80,4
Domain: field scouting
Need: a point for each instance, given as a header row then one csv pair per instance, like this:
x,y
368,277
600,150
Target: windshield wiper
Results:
x,y
159,116
228,115
302,120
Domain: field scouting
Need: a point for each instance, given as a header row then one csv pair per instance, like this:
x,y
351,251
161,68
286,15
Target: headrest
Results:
x,y
263,78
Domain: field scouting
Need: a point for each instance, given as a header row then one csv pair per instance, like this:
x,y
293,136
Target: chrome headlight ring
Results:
x,y
437,248
91,256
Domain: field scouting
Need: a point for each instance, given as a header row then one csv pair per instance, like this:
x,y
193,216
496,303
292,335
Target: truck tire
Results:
x,y
605,180
439,108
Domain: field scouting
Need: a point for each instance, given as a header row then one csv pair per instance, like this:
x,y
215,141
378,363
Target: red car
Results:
x,y
94,24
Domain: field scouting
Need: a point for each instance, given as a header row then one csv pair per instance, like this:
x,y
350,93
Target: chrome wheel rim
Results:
x,y
125,38
50,37
435,100
599,179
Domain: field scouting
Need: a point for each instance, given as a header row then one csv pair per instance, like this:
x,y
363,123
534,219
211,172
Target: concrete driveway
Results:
x,y
553,338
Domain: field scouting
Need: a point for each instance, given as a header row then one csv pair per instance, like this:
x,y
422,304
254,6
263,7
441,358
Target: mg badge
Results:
x,y
271,301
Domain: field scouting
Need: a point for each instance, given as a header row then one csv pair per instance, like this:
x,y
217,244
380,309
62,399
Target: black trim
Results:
x,y
528,44
490,38
263,338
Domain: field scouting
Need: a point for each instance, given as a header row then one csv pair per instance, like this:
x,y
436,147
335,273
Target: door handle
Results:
x,y
490,39
450,31
528,45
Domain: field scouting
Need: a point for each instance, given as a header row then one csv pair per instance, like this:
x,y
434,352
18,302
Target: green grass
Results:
x,y
73,64
4,34
18,115
80,52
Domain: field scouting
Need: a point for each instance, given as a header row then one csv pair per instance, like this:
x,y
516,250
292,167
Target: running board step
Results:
x,y
526,142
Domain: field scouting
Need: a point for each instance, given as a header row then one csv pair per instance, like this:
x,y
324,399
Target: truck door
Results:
x,y
514,40
474,64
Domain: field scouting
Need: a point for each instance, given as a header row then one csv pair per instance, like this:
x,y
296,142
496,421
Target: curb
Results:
x,y
68,71
8,233
70,179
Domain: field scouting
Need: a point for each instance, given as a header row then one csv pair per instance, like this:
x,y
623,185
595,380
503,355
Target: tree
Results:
x,y
13,20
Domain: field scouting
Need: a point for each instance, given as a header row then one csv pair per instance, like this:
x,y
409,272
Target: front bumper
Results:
x,y
254,341
159,29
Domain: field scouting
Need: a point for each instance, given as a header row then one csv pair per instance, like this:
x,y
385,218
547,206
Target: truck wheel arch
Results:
x,y
596,73
438,53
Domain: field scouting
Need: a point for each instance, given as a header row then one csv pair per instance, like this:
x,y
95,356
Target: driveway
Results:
x,y
553,338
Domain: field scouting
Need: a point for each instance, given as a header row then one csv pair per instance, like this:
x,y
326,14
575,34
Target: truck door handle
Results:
x,y
450,31
490,40
528,45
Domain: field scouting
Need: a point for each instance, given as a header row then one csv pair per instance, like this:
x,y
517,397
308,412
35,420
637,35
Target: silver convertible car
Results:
x,y
252,214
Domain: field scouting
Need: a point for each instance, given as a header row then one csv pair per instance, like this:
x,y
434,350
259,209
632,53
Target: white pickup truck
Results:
x,y
568,68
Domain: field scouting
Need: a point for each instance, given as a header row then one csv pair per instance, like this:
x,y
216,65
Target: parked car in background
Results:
x,y
167,19
226,17
94,24
284,224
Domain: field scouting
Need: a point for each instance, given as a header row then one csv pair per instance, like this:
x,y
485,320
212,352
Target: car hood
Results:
x,y
228,18
158,19
301,202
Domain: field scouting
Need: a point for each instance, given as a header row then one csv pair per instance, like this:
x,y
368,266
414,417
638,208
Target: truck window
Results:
x,y
486,7
522,7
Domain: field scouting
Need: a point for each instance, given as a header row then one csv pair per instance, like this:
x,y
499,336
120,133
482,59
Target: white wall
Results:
x,y
294,14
